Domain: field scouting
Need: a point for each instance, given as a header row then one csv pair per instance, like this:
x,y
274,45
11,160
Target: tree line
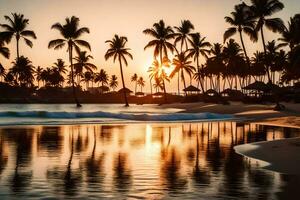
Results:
x,y
212,65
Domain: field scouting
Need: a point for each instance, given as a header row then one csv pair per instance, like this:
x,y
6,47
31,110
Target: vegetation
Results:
x,y
179,51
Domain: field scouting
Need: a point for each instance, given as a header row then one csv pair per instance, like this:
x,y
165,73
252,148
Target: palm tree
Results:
x,y
134,78
16,27
157,84
261,10
70,33
23,71
117,50
113,82
82,63
87,77
182,64
162,34
4,51
141,83
38,73
182,33
101,77
154,71
60,66
241,21
291,34
198,47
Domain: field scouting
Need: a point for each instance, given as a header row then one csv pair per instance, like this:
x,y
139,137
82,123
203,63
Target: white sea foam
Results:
x,y
35,116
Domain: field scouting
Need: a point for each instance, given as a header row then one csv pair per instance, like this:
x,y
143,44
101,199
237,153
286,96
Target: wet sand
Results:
x,y
281,155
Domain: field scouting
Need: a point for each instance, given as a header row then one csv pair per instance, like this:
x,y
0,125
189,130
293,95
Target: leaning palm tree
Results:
x,y
261,10
134,78
141,83
199,47
117,50
241,21
182,33
113,83
182,65
16,27
70,32
162,35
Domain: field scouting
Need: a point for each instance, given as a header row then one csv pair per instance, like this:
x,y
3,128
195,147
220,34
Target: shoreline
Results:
x,y
286,161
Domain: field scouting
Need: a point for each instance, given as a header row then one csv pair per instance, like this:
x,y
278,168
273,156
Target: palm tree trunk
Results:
x,y
123,83
18,38
151,86
72,75
178,83
265,52
200,78
183,79
164,86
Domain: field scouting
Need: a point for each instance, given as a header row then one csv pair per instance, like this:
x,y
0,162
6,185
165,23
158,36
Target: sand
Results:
x,y
281,155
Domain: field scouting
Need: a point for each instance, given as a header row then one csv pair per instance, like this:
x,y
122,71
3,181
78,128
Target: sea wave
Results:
x,y
110,115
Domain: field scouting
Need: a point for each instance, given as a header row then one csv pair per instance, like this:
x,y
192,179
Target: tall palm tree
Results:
x,y
198,47
113,83
162,35
117,50
261,10
82,63
141,83
16,27
182,33
182,64
134,78
153,71
101,77
241,21
70,32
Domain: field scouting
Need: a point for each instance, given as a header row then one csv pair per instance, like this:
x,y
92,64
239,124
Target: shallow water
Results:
x,y
142,161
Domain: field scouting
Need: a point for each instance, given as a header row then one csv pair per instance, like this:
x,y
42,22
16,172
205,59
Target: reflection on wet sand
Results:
x,y
188,160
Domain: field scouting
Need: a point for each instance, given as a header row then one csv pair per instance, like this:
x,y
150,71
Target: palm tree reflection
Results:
x,y
122,173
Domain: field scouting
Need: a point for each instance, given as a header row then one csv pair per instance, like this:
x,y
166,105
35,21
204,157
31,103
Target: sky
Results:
x,y
128,18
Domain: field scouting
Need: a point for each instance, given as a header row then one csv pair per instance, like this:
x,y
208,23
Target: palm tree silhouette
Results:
x,y
134,78
241,21
16,27
117,50
141,83
154,71
182,64
182,33
261,9
60,66
82,63
87,77
71,33
4,51
162,34
113,83
101,77
23,71
198,47
38,73
290,35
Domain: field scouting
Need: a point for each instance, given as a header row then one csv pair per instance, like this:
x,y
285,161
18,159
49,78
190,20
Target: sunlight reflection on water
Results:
x,y
153,161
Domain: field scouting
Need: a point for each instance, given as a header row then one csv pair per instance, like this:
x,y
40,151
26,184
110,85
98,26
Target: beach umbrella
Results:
x,y
126,90
191,88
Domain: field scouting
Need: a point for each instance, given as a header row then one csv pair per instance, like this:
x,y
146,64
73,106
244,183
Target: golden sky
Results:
x,y
124,17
